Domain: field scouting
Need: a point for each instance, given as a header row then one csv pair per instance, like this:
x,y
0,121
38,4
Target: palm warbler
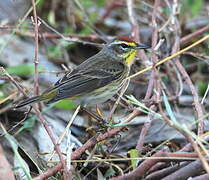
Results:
x,y
95,80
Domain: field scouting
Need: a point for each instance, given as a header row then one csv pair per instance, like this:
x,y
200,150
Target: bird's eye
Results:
x,y
123,45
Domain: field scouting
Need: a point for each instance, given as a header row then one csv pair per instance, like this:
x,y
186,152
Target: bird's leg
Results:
x,y
27,113
101,124
105,122
99,112
95,116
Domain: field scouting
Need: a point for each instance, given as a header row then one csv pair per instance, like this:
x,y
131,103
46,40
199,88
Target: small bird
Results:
x,y
95,80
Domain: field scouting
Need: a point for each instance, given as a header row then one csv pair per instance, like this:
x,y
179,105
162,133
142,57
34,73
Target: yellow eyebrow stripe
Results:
x,y
128,43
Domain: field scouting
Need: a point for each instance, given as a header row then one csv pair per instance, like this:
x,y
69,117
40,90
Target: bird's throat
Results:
x,y
131,56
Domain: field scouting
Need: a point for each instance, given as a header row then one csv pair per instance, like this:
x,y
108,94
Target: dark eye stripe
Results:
x,y
123,45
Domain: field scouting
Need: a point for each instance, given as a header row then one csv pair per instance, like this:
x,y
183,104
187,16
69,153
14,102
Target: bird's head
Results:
x,y
125,48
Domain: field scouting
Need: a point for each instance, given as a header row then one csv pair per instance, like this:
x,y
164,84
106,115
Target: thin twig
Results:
x,y
201,177
69,38
175,49
43,121
153,82
51,135
187,136
194,34
135,27
36,60
167,157
13,81
192,169
36,91
197,150
139,172
122,91
66,129
165,172
170,57
90,143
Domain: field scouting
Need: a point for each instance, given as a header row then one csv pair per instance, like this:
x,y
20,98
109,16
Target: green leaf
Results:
x,y
65,104
110,172
134,153
192,6
27,125
54,51
142,107
40,4
202,86
57,51
101,3
51,18
2,94
87,3
169,110
22,70
165,79
196,6
85,31
68,30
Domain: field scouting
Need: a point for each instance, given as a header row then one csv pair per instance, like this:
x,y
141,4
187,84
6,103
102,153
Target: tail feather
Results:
x,y
28,101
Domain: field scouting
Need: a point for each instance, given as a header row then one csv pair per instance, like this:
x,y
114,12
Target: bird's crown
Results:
x,y
124,42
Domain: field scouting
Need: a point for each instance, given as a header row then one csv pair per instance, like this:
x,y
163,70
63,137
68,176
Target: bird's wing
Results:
x,y
81,82
85,66
72,74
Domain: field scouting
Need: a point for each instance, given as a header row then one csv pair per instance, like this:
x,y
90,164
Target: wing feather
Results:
x,y
84,81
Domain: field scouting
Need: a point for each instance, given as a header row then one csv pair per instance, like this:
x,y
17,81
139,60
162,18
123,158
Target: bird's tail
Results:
x,y
28,101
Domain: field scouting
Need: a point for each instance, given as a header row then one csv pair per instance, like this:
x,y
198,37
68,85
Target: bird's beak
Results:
x,y
142,46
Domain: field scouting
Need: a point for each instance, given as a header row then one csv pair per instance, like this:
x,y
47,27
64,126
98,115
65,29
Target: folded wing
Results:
x,y
81,82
